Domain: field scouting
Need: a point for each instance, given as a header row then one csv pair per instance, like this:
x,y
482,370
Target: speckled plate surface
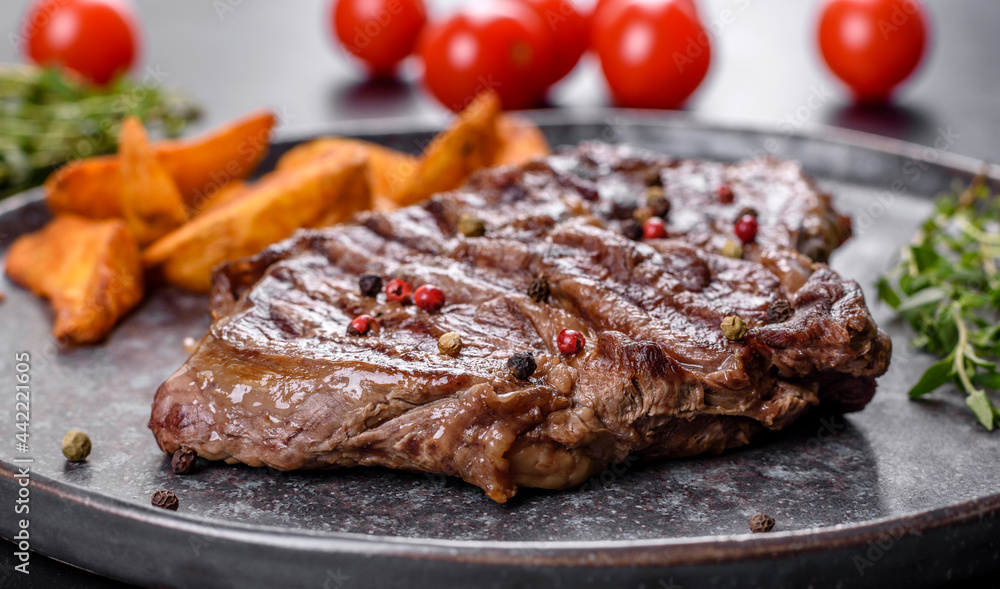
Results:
x,y
903,491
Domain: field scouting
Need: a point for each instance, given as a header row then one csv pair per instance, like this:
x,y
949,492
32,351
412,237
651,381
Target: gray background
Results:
x,y
235,55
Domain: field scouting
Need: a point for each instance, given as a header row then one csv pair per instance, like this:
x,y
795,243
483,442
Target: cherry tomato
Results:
x,y
381,33
501,44
569,29
97,39
654,54
688,5
872,45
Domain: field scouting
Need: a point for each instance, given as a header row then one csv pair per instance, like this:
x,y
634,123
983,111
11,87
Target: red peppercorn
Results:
x,y
362,324
570,341
398,290
429,298
746,228
654,228
725,194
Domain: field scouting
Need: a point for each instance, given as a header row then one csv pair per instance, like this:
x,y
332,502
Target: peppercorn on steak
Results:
x,y
574,331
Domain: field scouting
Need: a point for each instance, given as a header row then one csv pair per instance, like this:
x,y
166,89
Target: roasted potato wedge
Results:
x,y
90,270
520,141
92,187
220,197
470,143
151,204
230,152
387,168
319,193
89,187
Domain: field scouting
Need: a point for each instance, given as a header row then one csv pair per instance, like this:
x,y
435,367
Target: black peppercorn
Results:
x,y
183,461
522,365
539,290
370,285
632,229
779,311
166,500
761,523
656,200
653,177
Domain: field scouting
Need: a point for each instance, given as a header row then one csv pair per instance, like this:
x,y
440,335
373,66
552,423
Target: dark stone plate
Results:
x,y
903,492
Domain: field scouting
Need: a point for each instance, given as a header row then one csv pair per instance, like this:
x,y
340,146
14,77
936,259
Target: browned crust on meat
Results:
x,y
278,382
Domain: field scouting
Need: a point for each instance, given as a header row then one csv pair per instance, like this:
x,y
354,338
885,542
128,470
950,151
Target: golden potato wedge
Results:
x,y
230,152
387,168
92,187
470,143
89,187
317,194
151,204
520,141
220,197
90,270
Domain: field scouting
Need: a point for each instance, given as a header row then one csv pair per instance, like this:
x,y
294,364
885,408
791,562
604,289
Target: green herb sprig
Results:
x,y
947,287
48,118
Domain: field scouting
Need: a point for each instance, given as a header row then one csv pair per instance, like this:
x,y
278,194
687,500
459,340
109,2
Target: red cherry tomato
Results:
x,y
97,39
654,54
381,33
569,29
872,45
688,5
429,298
501,44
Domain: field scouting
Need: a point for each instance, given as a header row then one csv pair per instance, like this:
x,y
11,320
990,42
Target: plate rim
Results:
x,y
691,550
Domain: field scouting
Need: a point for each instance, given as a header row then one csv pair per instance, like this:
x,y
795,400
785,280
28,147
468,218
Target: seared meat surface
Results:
x,y
277,381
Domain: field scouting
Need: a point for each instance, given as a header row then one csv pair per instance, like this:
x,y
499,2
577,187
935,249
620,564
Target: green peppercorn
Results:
x,y
734,328
471,226
450,343
76,446
731,249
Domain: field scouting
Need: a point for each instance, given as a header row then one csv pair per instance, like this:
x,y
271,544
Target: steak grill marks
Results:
x,y
277,382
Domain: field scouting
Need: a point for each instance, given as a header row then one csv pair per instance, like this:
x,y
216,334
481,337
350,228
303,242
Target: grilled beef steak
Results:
x,y
278,381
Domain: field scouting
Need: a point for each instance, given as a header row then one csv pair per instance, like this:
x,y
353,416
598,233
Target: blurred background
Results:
x,y
233,56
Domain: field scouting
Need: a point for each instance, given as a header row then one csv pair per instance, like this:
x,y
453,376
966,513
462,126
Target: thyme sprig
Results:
x,y
48,118
947,287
